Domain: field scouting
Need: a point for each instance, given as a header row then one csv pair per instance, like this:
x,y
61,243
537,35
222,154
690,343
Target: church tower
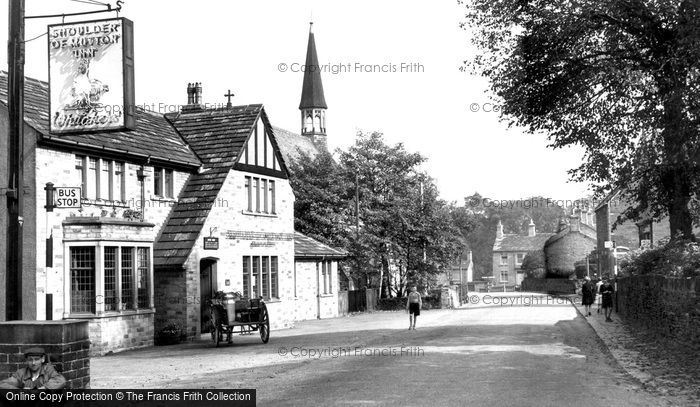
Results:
x,y
313,103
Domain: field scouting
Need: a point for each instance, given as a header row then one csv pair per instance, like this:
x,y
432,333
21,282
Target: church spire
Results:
x,y
312,89
313,103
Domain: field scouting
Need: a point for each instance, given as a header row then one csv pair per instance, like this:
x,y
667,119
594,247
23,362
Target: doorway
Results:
x,y
207,288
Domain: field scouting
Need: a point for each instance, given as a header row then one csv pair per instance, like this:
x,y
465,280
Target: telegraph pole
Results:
x,y
15,149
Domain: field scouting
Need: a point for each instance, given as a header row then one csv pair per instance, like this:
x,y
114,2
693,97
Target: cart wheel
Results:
x,y
264,325
217,335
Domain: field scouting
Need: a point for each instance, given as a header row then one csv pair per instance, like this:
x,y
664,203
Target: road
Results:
x,y
481,356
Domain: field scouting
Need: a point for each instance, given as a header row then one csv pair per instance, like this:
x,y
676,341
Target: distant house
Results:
x,y
628,235
572,242
509,251
460,271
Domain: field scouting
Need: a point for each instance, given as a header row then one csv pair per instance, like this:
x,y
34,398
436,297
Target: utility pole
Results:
x,y
357,203
15,149
422,209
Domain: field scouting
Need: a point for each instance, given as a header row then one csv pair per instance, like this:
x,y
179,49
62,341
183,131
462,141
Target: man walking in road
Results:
x,y
413,306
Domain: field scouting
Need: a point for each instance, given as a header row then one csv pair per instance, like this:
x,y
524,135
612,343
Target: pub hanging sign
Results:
x,y
91,76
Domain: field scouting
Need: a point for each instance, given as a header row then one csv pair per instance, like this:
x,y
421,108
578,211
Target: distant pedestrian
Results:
x,y
413,306
598,284
606,291
588,296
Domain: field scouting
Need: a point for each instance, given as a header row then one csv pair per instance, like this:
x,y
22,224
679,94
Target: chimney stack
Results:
x,y
198,93
574,223
499,230
531,228
194,98
190,94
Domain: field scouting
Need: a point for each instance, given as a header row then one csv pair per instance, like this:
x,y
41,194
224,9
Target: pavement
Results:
x,y
662,367
500,349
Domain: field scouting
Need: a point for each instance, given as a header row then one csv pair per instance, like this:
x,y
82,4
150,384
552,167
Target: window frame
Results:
x,y
161,187
260,196
98,183
260,277
519,259
99,306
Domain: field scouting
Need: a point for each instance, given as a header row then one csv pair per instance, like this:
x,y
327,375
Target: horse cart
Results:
x,y
242,316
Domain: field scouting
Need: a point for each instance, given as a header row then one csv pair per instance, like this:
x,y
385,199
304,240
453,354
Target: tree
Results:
x,y
404,234
534,264
322,206
397,224
619,78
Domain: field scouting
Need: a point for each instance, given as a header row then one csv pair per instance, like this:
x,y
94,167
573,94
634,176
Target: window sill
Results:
x,y
162,198
326,295
104,202
264,215
272,301
111,314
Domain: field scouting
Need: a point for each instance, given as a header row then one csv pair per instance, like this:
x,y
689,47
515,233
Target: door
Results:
x,y
207,288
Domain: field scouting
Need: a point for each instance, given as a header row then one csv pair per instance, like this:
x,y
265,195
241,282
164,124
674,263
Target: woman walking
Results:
x,y
587,292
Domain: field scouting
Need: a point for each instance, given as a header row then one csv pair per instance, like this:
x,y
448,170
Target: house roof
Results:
x,y
518,243
292,145
306,247
218,137
312,88
612,195
585,229
187,217
152,137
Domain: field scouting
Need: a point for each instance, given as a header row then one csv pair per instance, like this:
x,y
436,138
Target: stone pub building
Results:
x,y
132,258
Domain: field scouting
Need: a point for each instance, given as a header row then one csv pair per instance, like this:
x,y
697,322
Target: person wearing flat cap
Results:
x,y
39,373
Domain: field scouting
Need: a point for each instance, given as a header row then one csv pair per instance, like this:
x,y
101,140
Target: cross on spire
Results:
x,y
229,95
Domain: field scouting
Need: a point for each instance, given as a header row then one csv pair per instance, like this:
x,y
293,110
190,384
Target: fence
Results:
x,y
342,303
357,301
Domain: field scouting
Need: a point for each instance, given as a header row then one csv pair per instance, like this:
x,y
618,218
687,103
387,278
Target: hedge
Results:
x,y
399,303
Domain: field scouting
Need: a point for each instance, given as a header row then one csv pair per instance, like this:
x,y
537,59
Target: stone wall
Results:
x,y
66,342
170,299
670,306
121,332
561,255
549,285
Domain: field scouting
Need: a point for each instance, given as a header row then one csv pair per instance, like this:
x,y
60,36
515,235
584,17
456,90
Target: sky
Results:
x,y
256,49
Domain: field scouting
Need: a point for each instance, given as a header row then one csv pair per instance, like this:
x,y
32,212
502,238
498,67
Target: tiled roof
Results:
x,y
585,229
218,137
517,243
306,247
292,144
153,135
